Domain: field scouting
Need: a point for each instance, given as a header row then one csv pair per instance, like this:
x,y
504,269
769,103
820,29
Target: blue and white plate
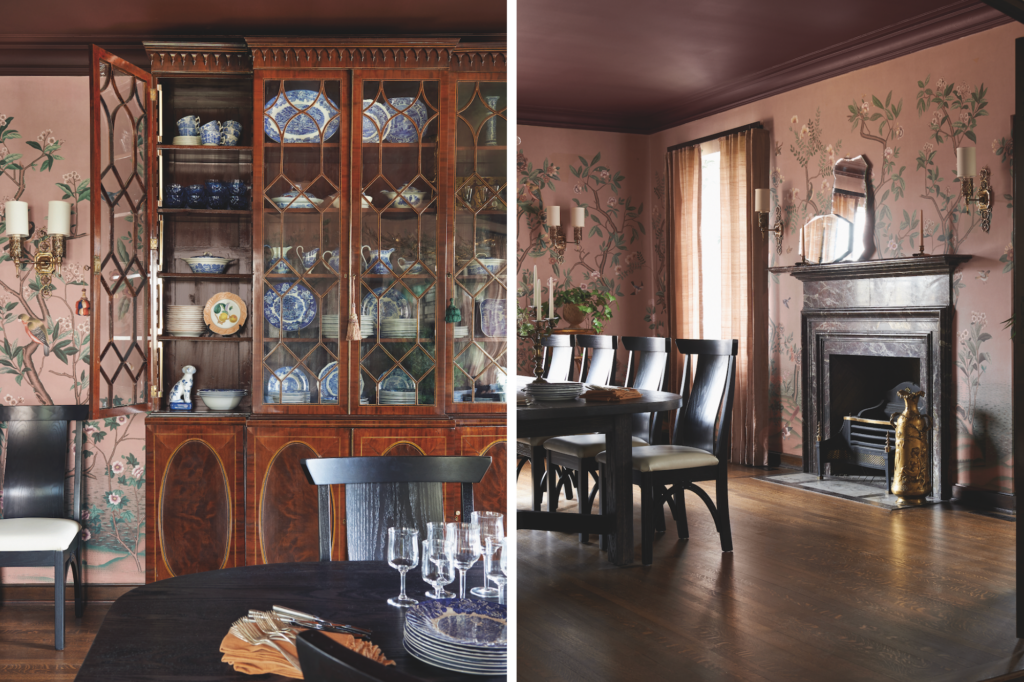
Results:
x,y
480,660
467,622
296,382
329,383
493,322
402,129
392,305
399,382
299,306
318,113
451,663
375,112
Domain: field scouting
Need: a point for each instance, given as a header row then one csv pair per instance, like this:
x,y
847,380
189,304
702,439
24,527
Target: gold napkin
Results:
x,y
610,394
259,660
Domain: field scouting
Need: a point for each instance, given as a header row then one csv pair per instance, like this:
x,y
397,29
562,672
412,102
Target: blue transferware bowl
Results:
x,y
215,187
195,196
238,203
174,201
237,188
217,201
173,188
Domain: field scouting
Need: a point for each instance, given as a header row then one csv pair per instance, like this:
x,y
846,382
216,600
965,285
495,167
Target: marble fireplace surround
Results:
x,y
898,307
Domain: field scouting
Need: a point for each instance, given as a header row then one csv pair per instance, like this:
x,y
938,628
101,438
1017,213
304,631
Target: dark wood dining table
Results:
x,y
614,419
171,629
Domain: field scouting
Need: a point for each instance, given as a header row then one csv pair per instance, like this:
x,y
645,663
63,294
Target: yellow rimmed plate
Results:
x,y
225,313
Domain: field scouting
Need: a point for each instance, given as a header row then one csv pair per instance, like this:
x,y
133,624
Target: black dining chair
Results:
x,y
36,529
393,500
324,660
558,360
700,445
647,360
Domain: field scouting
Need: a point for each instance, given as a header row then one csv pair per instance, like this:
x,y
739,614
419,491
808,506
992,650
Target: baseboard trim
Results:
x,y
43,594
786,461
985,499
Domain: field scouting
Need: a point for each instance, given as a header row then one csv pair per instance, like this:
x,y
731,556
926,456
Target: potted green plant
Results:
x,y
578,304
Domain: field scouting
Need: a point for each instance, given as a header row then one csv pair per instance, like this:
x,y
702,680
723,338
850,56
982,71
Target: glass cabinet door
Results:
x,y
396,255
305,158
480,272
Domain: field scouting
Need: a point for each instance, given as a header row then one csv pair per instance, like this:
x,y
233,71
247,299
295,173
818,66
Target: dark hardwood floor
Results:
x,y
26,640
817,588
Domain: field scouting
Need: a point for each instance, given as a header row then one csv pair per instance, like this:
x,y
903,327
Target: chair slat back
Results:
x,y
708,396
396,490
35,473
557,356
598,361
645,370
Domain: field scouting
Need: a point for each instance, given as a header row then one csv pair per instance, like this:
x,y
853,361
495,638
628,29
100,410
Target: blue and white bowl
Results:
x,y
289,200
405,112
302,115
407,198
238,202
237,188
207,264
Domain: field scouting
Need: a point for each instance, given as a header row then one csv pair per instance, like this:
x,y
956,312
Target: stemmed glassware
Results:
x,y
437,568
496,570
490,527
463,540
403,554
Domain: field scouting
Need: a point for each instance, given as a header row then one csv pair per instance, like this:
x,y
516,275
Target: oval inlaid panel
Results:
x,y
289,530
195,508
489,493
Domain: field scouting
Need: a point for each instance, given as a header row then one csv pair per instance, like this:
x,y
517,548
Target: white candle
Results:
x,y
59,221
551,296
761,200
578,213
554,216
966,162
536,291
16,216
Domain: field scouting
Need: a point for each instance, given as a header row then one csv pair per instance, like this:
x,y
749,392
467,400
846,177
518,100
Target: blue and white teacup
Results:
x,y
216,200
230,131
237,188
187,126
215,187
238,202
195,196
174,200
210,132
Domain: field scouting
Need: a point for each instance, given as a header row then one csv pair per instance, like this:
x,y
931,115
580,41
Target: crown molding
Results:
x,y
927,30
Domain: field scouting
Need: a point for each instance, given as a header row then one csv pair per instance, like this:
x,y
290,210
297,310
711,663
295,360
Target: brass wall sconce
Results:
x,y
762,202
50,254
966,169
559,237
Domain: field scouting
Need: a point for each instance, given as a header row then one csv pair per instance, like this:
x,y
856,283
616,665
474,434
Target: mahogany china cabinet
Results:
x,y
369,176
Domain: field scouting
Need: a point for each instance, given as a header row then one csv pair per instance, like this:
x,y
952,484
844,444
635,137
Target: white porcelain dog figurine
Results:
x,y
182,391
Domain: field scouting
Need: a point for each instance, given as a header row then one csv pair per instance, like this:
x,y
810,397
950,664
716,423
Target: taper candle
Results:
x,y
536,291
16,217
59,220
551,296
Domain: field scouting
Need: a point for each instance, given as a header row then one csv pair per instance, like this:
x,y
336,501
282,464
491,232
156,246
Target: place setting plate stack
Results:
x,y
185,320
554,391
397,329
463,635
331,326
461,332
366,324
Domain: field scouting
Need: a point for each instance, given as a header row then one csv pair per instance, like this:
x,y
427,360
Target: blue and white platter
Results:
x,y
375,113
402,128
449,663
329,383
299,305
493,322
318,113
296,382
478,655
393,305
465,622
399,382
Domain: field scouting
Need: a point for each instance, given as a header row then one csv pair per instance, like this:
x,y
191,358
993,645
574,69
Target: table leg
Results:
x,y
619,444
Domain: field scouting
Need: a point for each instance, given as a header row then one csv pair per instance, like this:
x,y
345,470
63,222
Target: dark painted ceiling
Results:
x,y
647,65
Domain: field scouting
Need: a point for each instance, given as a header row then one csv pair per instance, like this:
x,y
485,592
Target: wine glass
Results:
x,y
495,570
403,554
490,527
437,568
463,546
435,530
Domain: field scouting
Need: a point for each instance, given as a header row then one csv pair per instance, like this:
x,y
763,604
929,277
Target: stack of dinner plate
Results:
x,y
564,390
288,398
331,329
398,329
398,397
461,332
185,320
464,635
366,324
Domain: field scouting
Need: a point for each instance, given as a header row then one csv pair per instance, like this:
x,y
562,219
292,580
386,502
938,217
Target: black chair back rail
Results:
x,y
558,351
597,363
707,397
328,471
646,367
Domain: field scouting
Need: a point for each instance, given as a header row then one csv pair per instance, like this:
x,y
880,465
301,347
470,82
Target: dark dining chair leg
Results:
x,y
724,527
76,574
602,542
59,567
682,528
552,476
648,497
584,502
537,469
659,509
520,465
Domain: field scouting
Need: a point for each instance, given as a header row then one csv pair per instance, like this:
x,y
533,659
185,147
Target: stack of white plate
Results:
x,y
398,329
185,320
186,141
464,635
566,390
461,332
398,397
366,324
331,326
288,398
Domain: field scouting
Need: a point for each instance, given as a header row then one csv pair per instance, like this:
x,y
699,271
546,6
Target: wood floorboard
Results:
x,y
26,641
818,588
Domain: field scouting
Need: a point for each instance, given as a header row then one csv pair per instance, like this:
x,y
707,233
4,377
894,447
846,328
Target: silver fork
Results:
x,y
273,628
249,632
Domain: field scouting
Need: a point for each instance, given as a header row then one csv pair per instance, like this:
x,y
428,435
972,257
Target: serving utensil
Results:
x,y
309,620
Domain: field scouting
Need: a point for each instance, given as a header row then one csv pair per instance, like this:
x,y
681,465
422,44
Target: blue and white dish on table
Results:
x,y
329,383
289,200
302,115
295,382
392,305
375,121
465,622
493,321
476,656
462,664
298,304
405,112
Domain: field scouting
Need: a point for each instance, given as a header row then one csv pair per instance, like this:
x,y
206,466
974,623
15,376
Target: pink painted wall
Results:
x,y
53,113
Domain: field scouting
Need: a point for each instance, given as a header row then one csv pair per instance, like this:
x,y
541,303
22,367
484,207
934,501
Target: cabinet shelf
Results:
x,y
199,277
333,143
399,145
207,148
203,211
285,211
482,147
202,339
290,276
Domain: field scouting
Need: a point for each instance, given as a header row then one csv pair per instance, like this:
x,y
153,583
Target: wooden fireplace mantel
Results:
x,y
885,267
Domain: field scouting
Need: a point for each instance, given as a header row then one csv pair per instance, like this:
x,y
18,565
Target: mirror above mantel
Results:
x,y
847,233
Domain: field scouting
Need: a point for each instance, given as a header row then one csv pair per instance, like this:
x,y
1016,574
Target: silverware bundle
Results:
x,y
283,625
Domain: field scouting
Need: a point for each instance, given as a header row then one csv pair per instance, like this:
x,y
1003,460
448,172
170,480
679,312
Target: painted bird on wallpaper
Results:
x,y
636,287
786,301
36,331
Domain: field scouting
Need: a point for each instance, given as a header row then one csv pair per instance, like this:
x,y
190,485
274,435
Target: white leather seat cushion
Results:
x,y
37,535
533,442
586,445
668,458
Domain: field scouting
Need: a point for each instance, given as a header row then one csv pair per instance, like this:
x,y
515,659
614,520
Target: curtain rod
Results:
x,y
750,126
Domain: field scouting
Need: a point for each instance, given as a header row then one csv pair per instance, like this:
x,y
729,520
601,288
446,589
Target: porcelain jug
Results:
x,y
278,254
379,262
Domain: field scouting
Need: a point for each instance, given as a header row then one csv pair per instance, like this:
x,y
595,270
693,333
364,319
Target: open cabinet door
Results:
x,y
122,207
